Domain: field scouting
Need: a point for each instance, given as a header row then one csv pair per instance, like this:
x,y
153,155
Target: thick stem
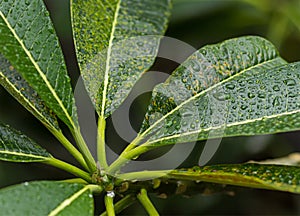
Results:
x,y
70,148
85,150
123,158
101,153
145,201
109,204
122,204
69,168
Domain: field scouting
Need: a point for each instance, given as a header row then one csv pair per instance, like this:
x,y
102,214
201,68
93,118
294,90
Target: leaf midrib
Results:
x,y
224,125
203,92
43,76
68,201
23,154
109,51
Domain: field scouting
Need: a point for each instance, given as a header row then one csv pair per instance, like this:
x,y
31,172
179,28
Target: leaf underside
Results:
x,y
12,81
16,147
46,198
116,41
29,43
228,89
271,177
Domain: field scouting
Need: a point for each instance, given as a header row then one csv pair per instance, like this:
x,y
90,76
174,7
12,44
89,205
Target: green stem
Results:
x,y
122,204
123,158
141,175
109,204
101,153
145,201
85,150
69,168
70,148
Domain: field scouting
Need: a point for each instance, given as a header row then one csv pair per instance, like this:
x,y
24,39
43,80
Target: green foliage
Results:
x,y
238,87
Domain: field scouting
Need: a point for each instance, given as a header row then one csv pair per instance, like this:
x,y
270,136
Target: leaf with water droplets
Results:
x,y
271,177
116,41
12,81
16,147
47,198
222,90
29,43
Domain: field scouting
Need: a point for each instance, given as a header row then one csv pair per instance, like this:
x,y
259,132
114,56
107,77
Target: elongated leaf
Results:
x,y
29,43
227,89
25,95
116,41
16,147
272,177
262,176
46,198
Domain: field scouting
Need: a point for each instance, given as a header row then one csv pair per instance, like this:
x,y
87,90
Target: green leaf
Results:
x,y
272,177
223,90
29,43
12,81
16,147
46,198
116,41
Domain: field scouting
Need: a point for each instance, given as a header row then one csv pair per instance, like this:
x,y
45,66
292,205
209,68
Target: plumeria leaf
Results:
x,y
16,147
238,87
29,43
116,41
47,198
13,82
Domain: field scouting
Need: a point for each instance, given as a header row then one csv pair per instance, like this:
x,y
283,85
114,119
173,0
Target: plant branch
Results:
x,y
146,202
101,153
70,148
122,204
69,168
85,150
109,204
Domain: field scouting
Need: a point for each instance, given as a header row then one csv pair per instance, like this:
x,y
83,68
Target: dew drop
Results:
x,y
243,107
110,194
276,101
290,82
250,95
230,86
276,88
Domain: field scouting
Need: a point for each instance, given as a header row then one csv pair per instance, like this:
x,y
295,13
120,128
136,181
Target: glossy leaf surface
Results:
x,y
272,177
29,43
46,198
228,89
116,41
12,81
16,147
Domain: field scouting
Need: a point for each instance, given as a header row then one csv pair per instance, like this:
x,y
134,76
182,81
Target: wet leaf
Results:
x,y
223,90
271,177
14,83
116,41
16,147
29,43
46,198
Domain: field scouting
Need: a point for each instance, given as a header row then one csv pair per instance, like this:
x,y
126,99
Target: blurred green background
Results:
x,y
197,23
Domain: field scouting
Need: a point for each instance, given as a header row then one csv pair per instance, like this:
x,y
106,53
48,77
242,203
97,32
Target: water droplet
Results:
x,y
276,88
230,86
243,107
290,82
261,95
110,194
221,96
276,101
250,95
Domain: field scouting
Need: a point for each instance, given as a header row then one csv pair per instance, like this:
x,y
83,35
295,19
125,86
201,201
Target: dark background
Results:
x,y
197,23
